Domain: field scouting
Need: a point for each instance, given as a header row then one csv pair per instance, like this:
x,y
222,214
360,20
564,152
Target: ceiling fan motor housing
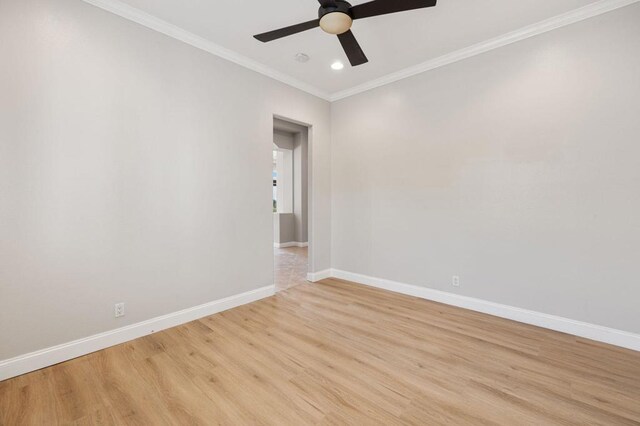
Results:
x,y
336,20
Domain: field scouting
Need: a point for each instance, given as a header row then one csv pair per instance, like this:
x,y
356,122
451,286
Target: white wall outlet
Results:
x,y
119,310
455,281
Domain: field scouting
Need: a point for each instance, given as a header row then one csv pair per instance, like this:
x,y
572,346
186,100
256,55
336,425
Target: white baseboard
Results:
x,y
43,358
318,276
290,244
565,325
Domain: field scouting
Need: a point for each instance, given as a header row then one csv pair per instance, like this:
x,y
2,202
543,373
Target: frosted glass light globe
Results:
x,y
336,23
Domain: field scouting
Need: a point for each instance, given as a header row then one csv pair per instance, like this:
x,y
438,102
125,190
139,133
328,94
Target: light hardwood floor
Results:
x,y
337,353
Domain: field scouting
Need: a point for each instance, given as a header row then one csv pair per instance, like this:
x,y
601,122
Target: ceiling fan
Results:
x,y
336,17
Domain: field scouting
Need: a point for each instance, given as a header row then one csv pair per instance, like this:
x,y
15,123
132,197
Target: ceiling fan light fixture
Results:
x,y
336,17
336,23
337,66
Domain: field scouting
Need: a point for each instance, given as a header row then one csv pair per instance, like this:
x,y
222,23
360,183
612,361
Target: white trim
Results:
x,y
314,277
136,15
577,15
565,325
290,244
43,358
150,21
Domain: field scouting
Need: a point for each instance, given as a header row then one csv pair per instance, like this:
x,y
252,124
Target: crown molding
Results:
x,y
132,14
577,15
150,21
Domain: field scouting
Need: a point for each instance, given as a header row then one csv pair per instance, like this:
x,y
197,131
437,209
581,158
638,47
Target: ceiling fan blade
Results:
x,y
287,31
352,49
327,3
384,7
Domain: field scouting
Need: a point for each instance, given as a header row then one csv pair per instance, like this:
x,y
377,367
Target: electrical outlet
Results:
x,y
119,310
455,281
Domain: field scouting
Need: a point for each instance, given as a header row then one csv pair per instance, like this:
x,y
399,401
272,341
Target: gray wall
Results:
x,y
283,140
517,169
284,228
133,168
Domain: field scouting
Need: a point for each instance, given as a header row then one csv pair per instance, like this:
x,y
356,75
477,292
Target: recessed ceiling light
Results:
x,y
337,66
302,57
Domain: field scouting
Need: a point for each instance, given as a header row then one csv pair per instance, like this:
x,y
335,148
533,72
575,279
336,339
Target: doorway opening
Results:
x,y
290,177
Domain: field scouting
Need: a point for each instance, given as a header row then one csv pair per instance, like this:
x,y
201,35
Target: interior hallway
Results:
x,y
290,267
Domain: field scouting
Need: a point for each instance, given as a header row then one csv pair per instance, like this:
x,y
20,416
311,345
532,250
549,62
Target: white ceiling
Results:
x,y
392,42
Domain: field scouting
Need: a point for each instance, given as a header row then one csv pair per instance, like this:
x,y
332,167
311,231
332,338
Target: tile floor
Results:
x,y
290,267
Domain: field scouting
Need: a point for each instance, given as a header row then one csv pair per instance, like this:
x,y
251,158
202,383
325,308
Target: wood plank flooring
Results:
x,y
336,353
